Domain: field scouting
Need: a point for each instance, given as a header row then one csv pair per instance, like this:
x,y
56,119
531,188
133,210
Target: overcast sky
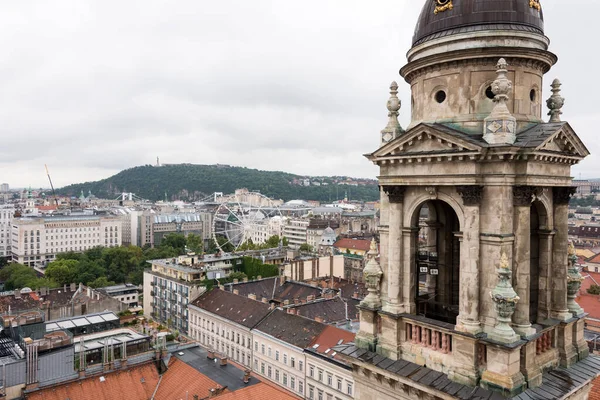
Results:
x,y
94,87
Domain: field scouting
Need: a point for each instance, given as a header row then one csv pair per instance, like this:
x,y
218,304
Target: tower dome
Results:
x,y
453,62
446,17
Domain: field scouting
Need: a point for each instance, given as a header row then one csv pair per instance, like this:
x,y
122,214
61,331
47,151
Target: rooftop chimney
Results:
x,y
236,280
265,300
73,287
236,291
282,279
245,279
259,277
252,296
17,293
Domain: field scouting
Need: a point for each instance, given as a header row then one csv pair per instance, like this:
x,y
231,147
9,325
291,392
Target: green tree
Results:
x,y
237,275
174,240
18,276
594,289
273,242
120,262
63,271
306,247
101,282
194,243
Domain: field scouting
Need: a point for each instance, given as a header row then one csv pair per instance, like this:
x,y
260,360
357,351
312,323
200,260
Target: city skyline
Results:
x,y
271,86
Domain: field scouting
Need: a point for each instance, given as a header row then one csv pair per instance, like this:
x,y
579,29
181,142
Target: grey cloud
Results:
x,y
95,86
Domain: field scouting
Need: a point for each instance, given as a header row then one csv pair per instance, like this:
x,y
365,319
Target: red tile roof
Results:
x,y
589,302
595,392
330,337
354,244
260,391
182,380
135,383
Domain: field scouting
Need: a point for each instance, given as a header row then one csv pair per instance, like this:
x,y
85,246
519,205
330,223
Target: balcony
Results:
x,y
435,339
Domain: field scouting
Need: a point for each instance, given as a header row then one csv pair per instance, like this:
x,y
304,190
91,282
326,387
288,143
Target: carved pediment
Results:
x,y
425,140
564,141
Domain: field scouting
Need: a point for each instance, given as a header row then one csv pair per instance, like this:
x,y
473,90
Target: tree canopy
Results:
x,y
195,182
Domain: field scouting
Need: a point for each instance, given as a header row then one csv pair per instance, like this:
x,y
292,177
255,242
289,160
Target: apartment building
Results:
x,y
6,216
295,232
35,241
316,229
328,377
279,343
126,293
146,227
171,284
222,321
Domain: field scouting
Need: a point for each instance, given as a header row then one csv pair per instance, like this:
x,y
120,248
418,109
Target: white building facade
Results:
x,y
6,216
37,241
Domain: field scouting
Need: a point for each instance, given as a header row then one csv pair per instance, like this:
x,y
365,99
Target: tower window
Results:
x,y
440,96
533,95
489,93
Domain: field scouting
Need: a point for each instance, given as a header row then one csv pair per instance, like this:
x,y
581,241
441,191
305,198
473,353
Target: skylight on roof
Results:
x,y
327,351
340,341
316,346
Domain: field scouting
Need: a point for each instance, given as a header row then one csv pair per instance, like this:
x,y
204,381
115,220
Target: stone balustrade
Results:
x,y
545,342
434,339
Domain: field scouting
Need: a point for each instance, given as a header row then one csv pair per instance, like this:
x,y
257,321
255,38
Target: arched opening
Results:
x,y
437,261
538,220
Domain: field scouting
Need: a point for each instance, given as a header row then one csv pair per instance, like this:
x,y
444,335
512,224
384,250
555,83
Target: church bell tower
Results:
x,y
478,281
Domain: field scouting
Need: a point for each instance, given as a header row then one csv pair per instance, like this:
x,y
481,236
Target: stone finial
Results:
x,y
556,102
372,274
574,280
500,126
393,128
505,299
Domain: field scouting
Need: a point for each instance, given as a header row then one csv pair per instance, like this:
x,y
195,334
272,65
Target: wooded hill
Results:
x,y
194,182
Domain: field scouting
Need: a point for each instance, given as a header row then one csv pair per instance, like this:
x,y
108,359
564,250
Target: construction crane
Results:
x,y
52,186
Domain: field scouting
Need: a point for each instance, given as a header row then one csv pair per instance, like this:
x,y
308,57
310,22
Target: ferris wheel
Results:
x,y
243,218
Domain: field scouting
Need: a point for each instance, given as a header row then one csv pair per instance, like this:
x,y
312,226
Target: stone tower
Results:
x,y
477,286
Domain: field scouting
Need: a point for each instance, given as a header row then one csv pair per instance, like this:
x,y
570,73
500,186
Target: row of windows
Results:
x,y
267,370
231,351
269,353
225,333
320,395
319,375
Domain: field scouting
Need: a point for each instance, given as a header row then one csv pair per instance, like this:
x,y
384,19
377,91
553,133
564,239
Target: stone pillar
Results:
x,y
409,278
503,372
522,197
384,243
581,346
560,251
395,216
468,318
366,338
545,288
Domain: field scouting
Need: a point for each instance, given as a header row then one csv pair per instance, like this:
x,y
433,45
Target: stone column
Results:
x,y
545,288
384,242
560,251
395,216
522,197
468,318
409,277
